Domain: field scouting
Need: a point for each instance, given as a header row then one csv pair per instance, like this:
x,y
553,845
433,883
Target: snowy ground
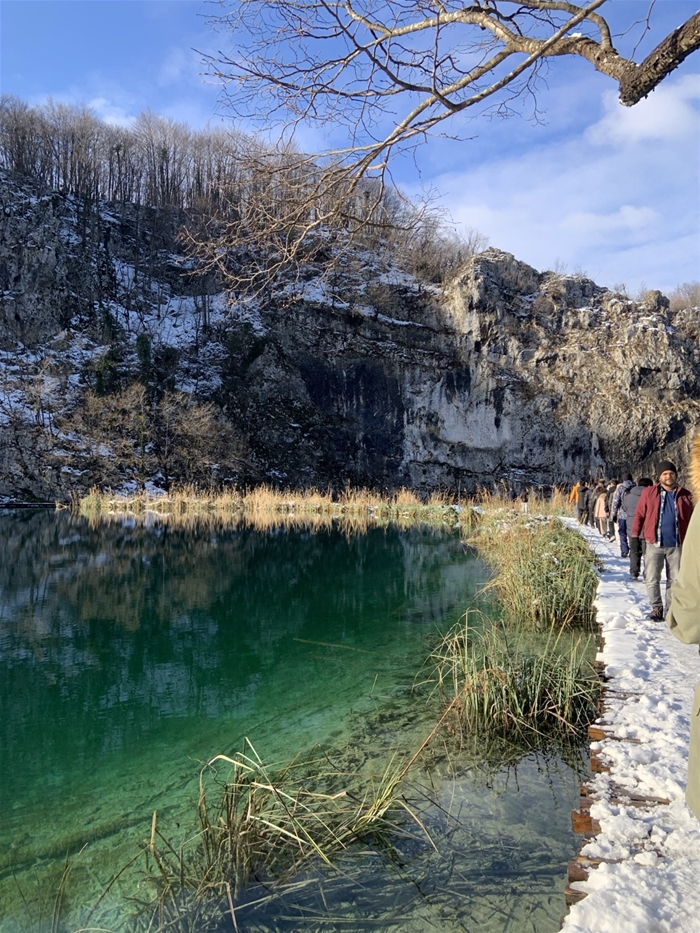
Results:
x,y
652,882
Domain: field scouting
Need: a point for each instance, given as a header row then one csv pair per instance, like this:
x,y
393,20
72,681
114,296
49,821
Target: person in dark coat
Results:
x,y
590,500
619,514
524,497
582,502
630,500
662,516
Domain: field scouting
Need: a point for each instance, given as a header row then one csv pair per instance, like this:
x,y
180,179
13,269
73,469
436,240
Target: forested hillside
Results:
x,y
143,341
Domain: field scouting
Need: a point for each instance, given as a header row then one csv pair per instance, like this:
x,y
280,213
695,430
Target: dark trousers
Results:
x,y
637,546
582,516
622,531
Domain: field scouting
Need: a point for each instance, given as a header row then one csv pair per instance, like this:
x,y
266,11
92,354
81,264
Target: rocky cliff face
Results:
x,y
367,378
507,374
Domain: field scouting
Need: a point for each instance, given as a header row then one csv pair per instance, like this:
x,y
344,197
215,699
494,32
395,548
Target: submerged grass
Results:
x,y
265,825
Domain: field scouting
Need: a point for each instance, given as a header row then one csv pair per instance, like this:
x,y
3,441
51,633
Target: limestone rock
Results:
x,y
506,374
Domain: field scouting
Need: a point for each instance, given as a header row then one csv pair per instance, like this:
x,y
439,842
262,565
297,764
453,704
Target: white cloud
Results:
x,y
622,213
110,112
626,218
181,66
670,112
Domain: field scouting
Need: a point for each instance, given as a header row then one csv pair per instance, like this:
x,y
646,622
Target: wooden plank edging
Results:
x,y
582,822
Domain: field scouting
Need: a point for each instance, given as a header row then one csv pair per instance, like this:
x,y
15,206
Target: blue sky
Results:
x,y
610,191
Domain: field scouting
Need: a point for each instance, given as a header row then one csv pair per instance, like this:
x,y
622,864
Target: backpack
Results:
x,y
630,500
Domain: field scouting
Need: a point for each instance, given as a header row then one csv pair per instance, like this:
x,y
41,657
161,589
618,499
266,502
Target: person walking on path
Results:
x,y
524,497
630,500
600,509
684,621
662,517
582,503
611,488
593,492
619,513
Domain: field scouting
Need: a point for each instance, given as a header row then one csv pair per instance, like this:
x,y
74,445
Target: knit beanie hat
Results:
x,y
628,476
666,465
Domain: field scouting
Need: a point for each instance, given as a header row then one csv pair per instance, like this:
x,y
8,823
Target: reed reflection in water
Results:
x,y
130,654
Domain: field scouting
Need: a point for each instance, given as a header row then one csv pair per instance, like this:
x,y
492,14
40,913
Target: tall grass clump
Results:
x,y
267,823
545,573
499,686
184,506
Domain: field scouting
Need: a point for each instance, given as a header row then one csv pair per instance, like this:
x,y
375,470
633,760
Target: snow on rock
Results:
x,y
648,882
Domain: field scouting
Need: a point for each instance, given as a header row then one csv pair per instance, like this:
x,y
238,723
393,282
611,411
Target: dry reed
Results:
x,y
501,686
546,575
264,507
265,825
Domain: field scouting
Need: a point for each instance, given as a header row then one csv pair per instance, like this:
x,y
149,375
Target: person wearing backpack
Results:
x,y
630,500
619,513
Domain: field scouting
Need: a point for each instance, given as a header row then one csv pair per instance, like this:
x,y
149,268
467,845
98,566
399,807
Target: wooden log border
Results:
x,y
579,869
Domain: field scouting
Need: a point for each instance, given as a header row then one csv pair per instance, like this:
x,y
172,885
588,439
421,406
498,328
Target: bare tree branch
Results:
x,y
378,76
664,59
351,62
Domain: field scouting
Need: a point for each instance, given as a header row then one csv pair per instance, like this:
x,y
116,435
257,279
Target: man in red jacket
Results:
x,y
662,518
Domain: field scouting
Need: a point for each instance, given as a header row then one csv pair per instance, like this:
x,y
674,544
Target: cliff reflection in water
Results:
x,y
109,632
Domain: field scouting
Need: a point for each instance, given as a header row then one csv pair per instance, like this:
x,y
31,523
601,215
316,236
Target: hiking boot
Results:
x,y
625,554
634,576
656,614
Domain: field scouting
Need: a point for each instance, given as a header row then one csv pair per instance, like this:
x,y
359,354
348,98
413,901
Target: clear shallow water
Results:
x,y
128,656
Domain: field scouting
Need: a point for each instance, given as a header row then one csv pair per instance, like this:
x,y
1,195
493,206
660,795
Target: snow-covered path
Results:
x,y
652,883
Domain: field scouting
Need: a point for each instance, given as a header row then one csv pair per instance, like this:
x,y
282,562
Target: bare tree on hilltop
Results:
x,y
381,75
235,190
387,73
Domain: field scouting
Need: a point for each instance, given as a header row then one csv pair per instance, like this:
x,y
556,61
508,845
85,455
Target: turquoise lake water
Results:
x,y
129,656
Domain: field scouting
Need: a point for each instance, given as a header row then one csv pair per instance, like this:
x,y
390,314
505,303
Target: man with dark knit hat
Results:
x,y
662,518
